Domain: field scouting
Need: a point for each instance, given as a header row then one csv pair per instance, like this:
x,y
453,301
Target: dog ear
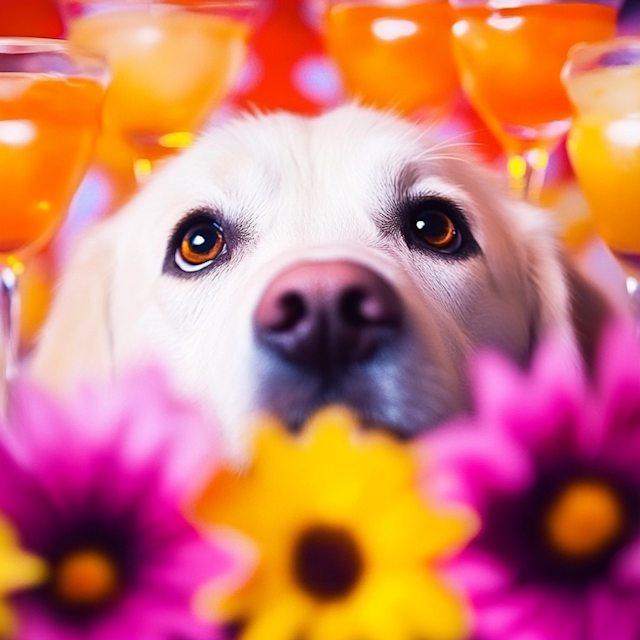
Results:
x,y
590,311
76,338
566,304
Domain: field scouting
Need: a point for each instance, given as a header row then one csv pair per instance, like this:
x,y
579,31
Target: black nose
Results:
x,y
327,315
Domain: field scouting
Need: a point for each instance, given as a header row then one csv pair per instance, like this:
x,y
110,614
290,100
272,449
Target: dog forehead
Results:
x,y
352,155
285,140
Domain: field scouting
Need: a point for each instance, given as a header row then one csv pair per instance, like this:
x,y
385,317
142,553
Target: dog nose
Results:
x,y
327,315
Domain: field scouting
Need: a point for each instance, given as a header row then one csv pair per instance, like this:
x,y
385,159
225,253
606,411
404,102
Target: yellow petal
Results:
x,y
343,622
341,466
338,420
424,533
278,619
7,621
409,604
443,615
18,569
365,484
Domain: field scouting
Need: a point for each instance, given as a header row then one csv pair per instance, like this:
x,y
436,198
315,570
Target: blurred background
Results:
x,y
288,69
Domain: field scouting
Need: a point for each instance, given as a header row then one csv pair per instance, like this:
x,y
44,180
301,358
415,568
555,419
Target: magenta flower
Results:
x,y
551,462
94,488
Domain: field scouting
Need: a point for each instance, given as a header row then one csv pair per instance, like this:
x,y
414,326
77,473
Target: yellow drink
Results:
x,y
171,67
604,146
394,55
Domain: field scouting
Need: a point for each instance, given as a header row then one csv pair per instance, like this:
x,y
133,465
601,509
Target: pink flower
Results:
x,y
95,488
551,462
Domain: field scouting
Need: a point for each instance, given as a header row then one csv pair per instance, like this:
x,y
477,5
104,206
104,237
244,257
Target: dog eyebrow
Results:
x,y
238,226
395,192
402,194
407,176
415,173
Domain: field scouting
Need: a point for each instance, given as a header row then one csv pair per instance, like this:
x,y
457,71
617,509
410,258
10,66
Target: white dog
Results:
x,y
285,262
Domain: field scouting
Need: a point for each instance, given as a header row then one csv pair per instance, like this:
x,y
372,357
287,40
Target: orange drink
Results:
x,y
394,55
171,67
510,61
604,143
48,124
51,96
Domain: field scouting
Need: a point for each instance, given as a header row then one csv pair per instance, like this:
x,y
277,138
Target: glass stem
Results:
x,y
526,173
632,280
9,316
633,289
631,266
142,168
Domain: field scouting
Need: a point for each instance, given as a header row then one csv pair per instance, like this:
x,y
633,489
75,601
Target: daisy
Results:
x,y
347,547
552,465
94,488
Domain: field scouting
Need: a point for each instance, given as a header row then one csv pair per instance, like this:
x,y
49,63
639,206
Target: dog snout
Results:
x,y
328,315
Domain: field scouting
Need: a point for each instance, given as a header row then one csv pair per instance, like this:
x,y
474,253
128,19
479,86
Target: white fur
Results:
x,y
306,189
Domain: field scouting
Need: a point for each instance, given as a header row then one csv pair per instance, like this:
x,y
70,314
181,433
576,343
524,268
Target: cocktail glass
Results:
x,y
603,82
510,54
172,62
394,54
51,98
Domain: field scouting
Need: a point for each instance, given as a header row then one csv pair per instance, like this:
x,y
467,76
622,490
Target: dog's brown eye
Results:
x,y
199,246
436,229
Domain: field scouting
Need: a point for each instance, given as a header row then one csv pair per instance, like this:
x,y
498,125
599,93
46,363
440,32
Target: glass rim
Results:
x,y
29,44
514,4
384,4
186,4
586,57
89,63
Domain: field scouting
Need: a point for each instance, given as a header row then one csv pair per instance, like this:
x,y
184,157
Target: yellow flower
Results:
x,y
346,545
18,570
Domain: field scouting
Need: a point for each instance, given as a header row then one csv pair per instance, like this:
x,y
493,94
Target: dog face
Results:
x,y
284,262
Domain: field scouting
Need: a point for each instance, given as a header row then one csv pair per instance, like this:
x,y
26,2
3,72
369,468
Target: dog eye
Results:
x,y
434,226
199,244
437,230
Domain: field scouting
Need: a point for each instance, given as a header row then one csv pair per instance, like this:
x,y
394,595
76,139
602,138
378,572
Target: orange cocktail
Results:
x,y
394,55
510,61
48,125
51,96
172,65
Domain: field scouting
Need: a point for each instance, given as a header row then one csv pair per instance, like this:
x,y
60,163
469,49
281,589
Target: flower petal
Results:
x,y
283,618
613,614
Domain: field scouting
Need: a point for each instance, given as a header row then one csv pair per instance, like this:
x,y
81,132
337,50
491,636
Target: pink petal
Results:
x,y
542,411
625,570
479,575
468,465
530,614
613,614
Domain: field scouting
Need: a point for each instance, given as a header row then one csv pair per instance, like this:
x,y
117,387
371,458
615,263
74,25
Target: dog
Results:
x,y
285,262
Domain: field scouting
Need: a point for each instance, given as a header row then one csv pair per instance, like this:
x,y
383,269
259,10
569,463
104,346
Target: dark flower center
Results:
x,y
327,562
86,578
585,519
568,528
94,562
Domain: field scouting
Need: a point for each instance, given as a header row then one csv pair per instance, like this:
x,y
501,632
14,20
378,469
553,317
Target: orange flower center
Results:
x,y
586,517
327,562
86,577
